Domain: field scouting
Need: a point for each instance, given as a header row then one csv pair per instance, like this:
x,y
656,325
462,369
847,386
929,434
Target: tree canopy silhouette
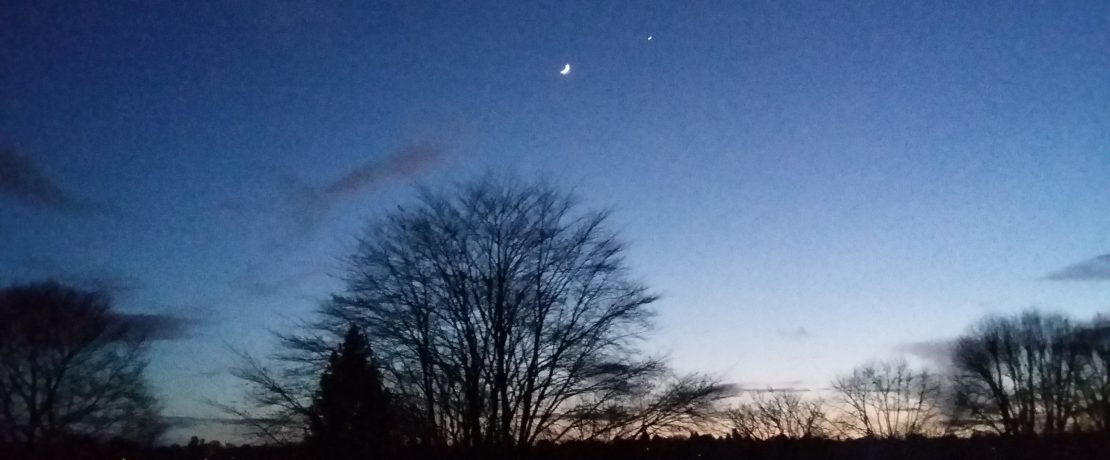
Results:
x,y
70,367
501,313
889,400
500,310
1033,373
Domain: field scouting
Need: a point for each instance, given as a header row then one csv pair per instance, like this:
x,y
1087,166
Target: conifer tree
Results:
x,y
351,410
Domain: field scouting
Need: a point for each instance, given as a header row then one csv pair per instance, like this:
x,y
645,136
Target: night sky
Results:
x,y
809,185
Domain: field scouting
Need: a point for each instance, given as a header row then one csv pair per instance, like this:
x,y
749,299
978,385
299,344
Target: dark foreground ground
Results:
x,y
705,448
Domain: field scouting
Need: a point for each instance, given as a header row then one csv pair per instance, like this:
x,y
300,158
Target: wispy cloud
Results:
x,y
773,390
301,208
183,421
788,386
253,283
797,333
25,182
937,352
148,326
156,326
102,280
310,204
1093,269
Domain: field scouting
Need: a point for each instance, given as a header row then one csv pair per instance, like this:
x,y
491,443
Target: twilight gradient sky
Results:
x,y
810,185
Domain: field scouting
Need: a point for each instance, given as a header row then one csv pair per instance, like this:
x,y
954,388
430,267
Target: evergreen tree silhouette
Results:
x,y
351,410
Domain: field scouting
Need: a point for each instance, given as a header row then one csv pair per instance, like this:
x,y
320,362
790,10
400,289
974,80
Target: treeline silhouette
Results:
x,y
992,447
499,319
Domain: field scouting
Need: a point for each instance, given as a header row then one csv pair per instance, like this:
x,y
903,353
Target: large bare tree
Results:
x,y
1019,375
889,400
498,308
69,366
502,313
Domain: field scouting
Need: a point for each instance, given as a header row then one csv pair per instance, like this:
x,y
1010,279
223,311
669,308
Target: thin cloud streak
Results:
x,y
101,280
798,333
184,421
774,390
24,181
310,205
789,386
303,208
157,327
406,162
1093,269
256,285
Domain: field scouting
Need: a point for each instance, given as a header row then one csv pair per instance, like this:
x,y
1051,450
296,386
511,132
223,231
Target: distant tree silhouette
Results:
x,y
1020,375
654,404
70,368
778,414
889,400
694,446
1094,379
351,411
278,396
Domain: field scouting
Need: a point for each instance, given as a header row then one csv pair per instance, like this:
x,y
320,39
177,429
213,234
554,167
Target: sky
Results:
x,y
808,185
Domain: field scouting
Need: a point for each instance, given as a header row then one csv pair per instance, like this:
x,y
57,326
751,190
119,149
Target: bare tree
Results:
x,y
778,413
1019,375
497,309
278,398
685,403
889,400
279,388
659,404
1094,377
69,366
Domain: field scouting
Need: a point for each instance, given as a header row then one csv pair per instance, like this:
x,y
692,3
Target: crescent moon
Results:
x,y
566,69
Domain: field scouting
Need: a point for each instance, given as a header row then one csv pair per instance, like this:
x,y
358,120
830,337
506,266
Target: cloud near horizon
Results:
x,y
23,181
773,390
787,386
1094,269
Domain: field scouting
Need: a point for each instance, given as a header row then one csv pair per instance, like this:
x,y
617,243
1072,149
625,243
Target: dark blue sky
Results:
x,y
809,184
